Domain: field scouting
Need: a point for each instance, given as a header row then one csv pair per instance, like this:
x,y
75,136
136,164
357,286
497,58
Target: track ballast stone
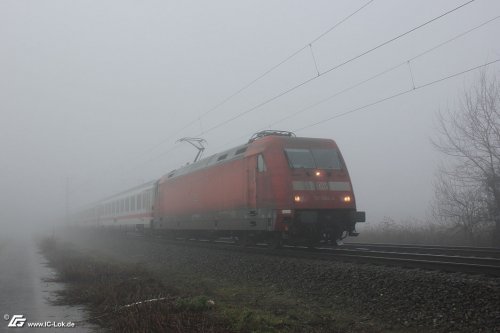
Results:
x,y
411,299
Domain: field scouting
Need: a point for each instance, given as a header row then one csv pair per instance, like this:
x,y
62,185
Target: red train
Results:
x,y
276,188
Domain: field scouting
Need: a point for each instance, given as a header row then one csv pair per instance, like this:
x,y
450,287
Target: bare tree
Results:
x,y
471,135
461,204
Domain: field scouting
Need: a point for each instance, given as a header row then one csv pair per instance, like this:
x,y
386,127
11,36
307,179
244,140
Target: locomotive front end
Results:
x,y
322,202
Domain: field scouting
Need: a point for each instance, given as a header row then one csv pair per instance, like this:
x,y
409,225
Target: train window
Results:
x,y
327,159
261,164
138,201
220,158
122,205
240,151
300,158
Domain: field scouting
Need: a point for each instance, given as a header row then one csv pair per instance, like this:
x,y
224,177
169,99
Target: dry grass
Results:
x,y
106,287
414,231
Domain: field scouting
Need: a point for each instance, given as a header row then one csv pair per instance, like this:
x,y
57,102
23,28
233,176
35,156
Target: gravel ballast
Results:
x,y
380,298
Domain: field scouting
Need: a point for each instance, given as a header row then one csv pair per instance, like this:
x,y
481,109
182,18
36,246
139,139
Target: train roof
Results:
x,y
224,156
259,139
135,189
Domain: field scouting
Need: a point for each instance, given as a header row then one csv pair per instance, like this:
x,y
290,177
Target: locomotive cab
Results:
x,y
314,196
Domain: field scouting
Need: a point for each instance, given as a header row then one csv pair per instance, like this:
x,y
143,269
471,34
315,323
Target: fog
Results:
x,y
94,95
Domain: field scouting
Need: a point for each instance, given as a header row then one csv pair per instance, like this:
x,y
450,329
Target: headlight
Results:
x,y
347,198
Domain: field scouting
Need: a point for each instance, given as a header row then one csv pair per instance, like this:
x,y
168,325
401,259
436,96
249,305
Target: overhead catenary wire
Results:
x,y
223,123
393,96
331,69
386,71
353,86
314,59
396,95
264,74
249,84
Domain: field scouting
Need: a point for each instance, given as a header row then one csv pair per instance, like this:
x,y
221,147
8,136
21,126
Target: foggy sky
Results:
x,y
96,93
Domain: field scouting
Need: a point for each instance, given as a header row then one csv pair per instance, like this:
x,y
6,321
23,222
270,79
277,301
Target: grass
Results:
x,y
414,231
197,301
263,308
107,287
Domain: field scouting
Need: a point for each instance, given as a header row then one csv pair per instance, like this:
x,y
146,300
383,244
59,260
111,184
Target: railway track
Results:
x,y
389,255
489,252
447,263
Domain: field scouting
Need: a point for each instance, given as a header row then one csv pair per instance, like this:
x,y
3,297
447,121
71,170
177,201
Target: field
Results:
x,y
209,290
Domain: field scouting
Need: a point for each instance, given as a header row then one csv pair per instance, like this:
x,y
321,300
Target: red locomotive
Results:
x,y
275,188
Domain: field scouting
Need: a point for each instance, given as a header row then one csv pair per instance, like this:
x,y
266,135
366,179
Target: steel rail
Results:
x,y
470,265
419,256
489,252
444,265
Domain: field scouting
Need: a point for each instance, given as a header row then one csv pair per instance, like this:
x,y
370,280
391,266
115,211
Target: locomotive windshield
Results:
x,y
313,158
